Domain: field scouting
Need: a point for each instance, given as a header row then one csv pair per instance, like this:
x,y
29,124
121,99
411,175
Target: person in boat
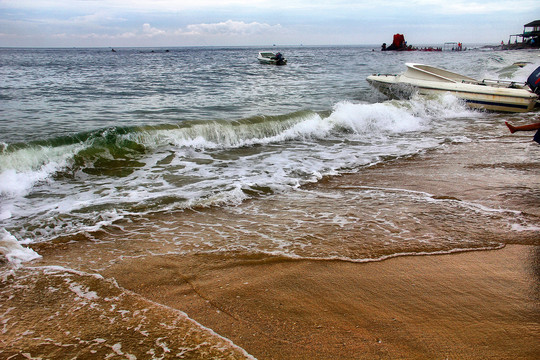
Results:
x,y
529,127
278,57
383,47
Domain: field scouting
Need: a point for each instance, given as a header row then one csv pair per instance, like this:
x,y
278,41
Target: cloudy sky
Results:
x,y
115,23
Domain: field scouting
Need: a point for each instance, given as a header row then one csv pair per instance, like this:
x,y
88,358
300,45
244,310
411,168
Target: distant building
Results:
x,y
529,39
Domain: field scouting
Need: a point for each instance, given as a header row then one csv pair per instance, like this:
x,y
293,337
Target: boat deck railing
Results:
x,y
497,83
379,74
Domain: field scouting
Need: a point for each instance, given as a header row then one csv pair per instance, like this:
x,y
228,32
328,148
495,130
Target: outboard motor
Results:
x,y
534,81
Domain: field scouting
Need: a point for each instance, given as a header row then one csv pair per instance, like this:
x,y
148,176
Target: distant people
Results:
x,y
529,127
383,47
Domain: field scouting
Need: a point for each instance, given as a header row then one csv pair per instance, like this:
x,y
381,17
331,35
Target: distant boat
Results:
x,y
493,95
399,44
453,46
271,58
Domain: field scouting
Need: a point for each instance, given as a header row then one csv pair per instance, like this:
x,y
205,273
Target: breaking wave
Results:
x,y
81,182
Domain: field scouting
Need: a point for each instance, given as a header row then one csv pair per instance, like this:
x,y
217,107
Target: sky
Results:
x,y
168,23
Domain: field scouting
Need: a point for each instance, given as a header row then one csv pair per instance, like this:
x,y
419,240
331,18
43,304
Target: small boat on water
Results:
x,y
271,58
493,95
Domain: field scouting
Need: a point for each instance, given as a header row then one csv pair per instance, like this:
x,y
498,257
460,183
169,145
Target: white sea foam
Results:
x,y
375,119
13,251
21,170
83,293
36,158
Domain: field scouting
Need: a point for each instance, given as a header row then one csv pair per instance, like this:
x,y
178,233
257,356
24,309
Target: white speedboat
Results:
x,y
271,58
494,95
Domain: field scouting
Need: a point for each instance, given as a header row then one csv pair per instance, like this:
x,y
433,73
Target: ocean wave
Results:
x,y
346,118
68,184
119,151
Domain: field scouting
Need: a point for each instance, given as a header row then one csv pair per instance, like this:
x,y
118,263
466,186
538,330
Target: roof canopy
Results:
x,y
534,23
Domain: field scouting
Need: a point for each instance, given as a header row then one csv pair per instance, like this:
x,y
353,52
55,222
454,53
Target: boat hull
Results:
x,y
272,62
269,58
476,95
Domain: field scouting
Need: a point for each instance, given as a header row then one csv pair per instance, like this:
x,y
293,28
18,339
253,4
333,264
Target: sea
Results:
x,y
142,152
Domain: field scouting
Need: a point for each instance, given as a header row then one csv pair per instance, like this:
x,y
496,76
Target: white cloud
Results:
x,y
245,22
151,31
225,28
230,27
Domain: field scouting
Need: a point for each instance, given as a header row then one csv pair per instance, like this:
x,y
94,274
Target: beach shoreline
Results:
x,y
479,304
469,305
472,304
466,305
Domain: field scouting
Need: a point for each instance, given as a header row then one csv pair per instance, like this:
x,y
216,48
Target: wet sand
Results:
x,y
55,313
469,305
473,305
